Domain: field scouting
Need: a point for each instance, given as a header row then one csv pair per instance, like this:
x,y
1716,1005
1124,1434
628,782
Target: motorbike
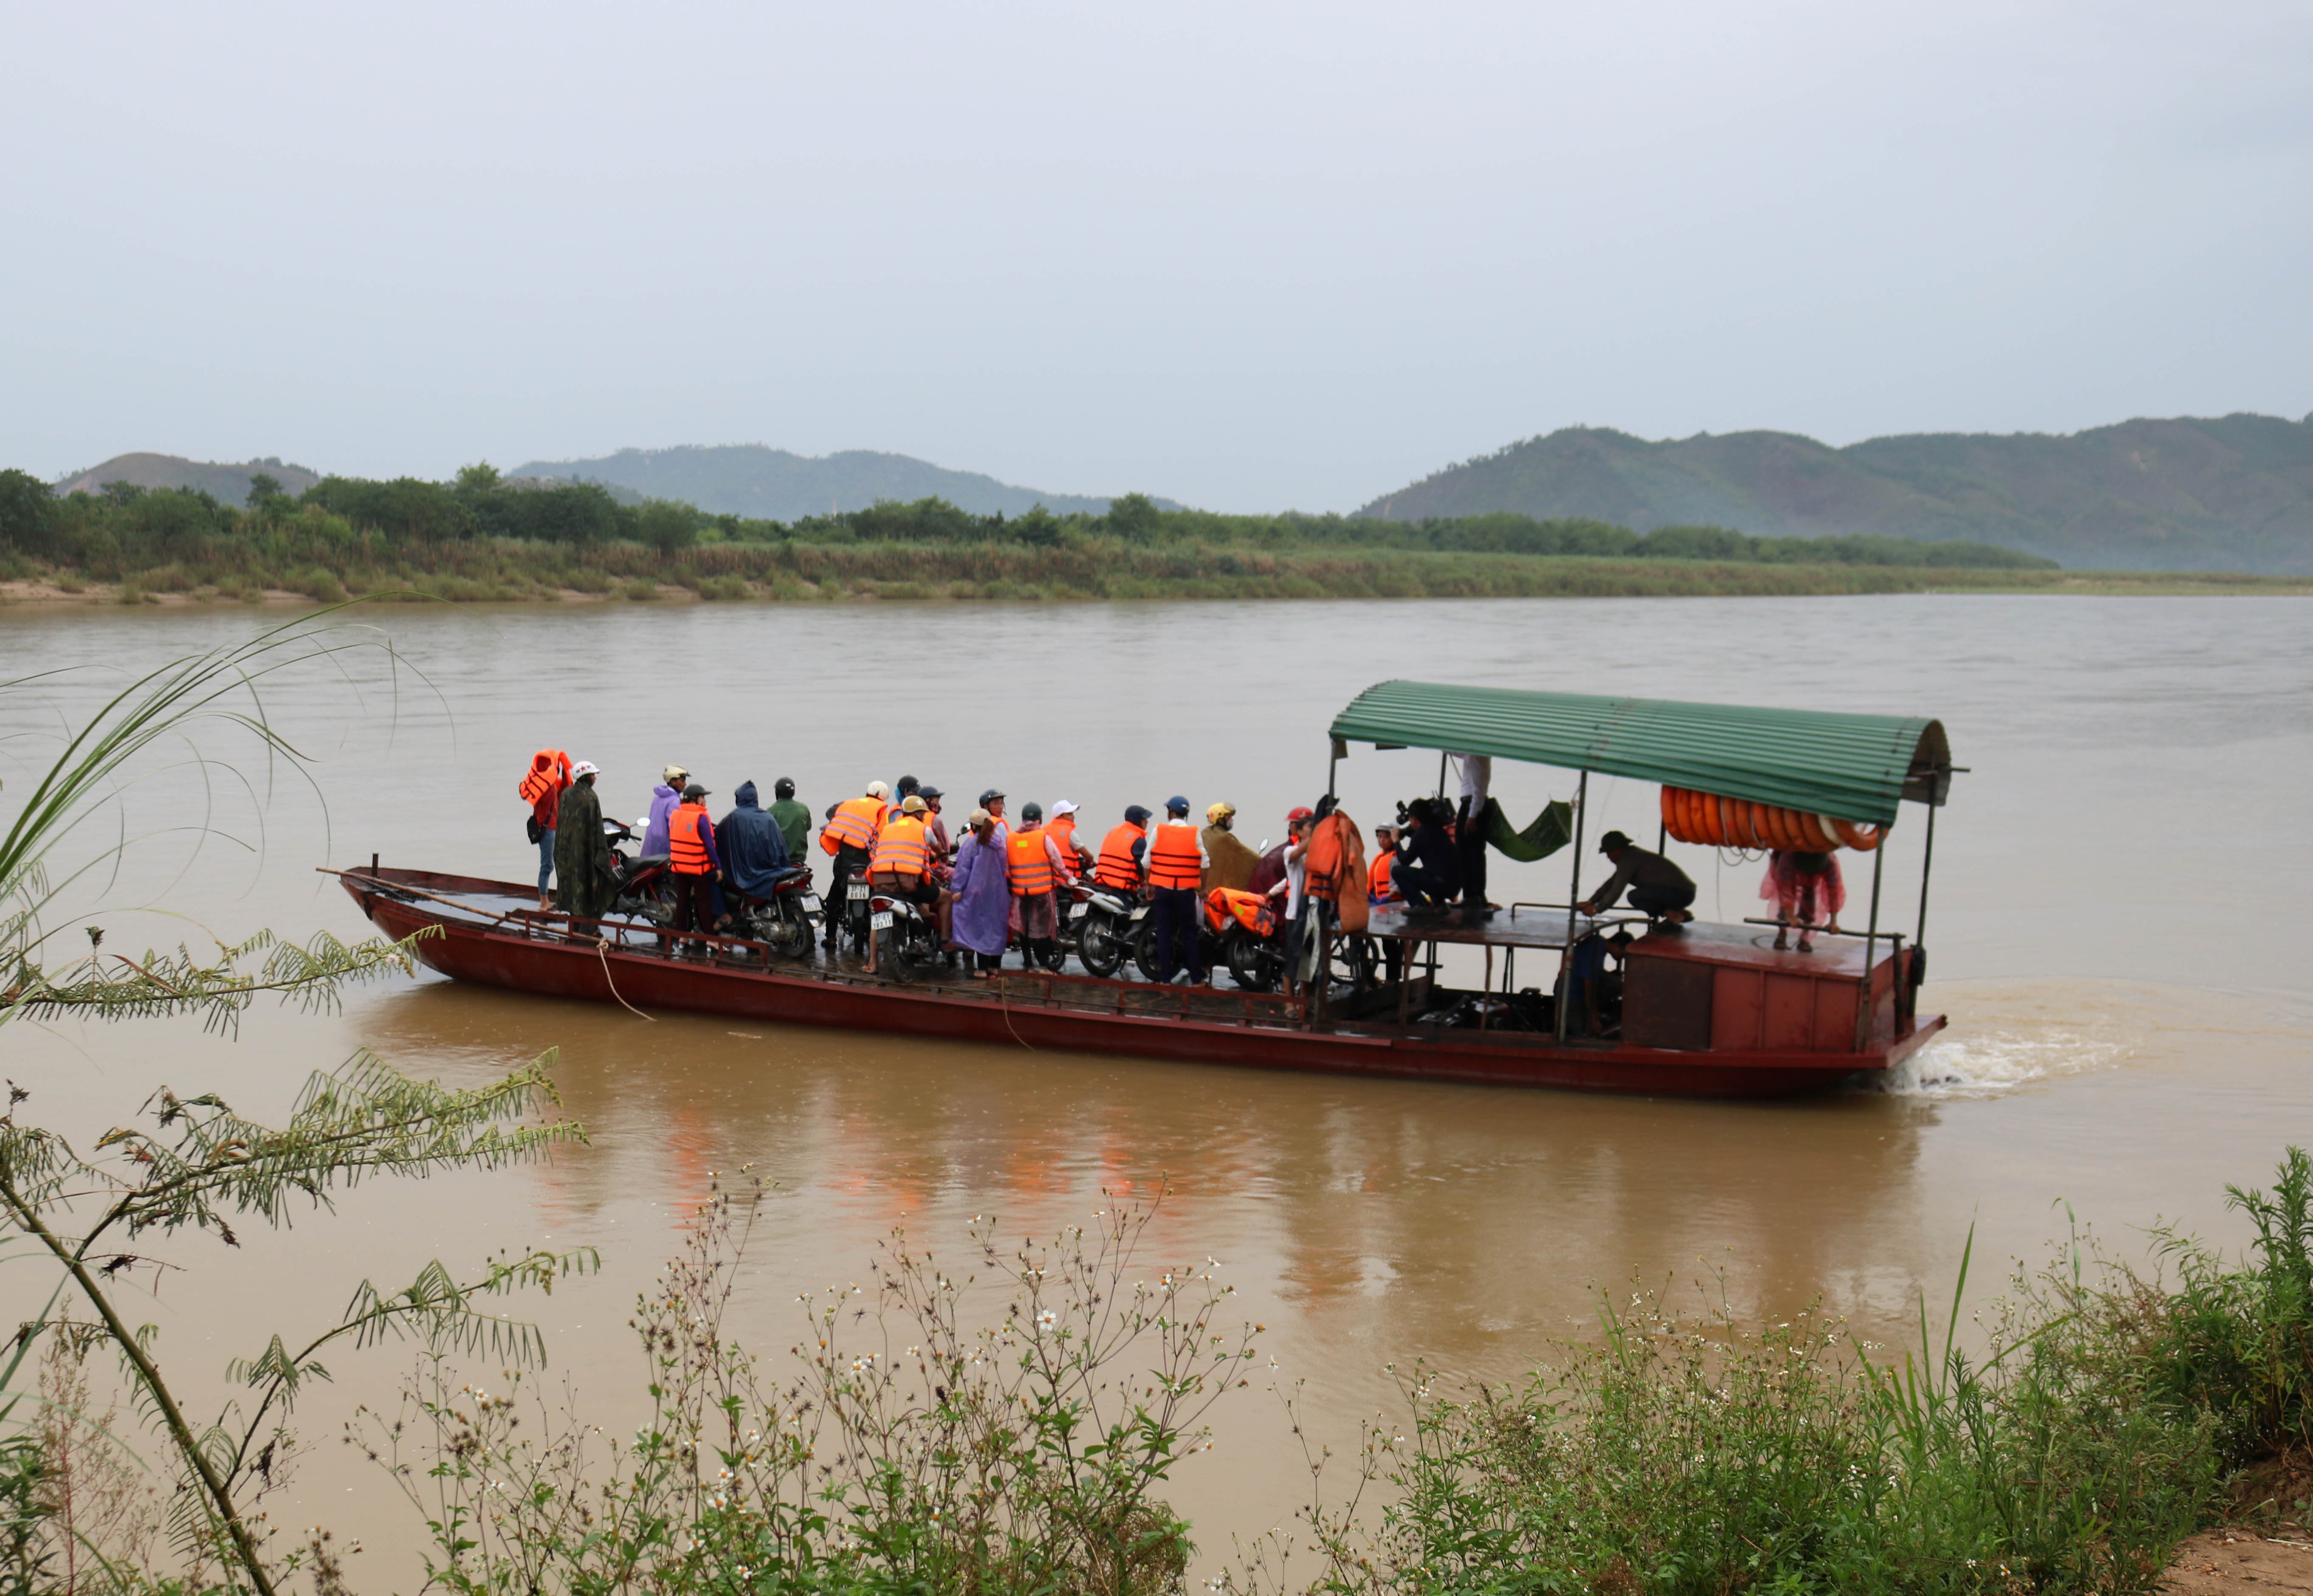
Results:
x,y
1241,931
1101,925
1252,937
907,937
787,920
850,914
636,882
1211,947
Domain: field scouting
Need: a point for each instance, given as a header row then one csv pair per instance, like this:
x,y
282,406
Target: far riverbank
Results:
x,y
488,572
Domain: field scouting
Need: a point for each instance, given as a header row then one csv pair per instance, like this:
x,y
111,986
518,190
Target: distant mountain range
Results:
x,y
2234,493
774,485
2231,493
229,484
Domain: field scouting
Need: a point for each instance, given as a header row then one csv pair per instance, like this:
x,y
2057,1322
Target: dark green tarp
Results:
x,y
1854,767
1552,829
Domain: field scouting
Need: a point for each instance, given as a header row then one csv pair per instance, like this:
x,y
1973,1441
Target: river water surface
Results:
x,y
2115,930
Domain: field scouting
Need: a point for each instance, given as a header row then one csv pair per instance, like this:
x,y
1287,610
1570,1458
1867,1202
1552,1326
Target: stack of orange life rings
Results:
x,y
1715,821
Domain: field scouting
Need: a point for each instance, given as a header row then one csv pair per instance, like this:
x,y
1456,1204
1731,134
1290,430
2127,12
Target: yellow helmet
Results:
x,y
1215,813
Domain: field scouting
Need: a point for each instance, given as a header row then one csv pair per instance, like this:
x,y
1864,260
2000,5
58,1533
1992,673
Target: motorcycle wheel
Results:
x,y
1099,947
1253,964
1055,961
1144,949
787,933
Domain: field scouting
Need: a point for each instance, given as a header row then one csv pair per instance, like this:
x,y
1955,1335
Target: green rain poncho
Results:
x,y
582,863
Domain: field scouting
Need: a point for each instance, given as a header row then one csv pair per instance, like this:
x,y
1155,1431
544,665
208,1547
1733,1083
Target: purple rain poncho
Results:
x,y
664,801
983,897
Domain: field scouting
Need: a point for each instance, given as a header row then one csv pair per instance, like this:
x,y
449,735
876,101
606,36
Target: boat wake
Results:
x,y
1995,1062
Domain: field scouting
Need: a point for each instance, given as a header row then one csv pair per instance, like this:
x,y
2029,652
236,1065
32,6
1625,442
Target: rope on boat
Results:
x,y
1004,1001
601,951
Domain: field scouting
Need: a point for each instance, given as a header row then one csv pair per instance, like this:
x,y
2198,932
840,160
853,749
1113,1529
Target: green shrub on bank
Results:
x,y
1699,1458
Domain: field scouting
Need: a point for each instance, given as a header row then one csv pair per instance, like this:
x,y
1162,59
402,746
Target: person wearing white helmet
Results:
x,y
848,838
1062,829
583,885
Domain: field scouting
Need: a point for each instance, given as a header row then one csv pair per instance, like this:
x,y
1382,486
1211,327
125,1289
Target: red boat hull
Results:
x,y
1082,1014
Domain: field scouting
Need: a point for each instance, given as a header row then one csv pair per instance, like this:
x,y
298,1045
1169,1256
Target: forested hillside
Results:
x,y
215,478
2233,493
768,484
484,537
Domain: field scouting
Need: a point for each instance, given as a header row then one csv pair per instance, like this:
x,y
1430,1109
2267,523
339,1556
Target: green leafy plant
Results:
x,y
912,1446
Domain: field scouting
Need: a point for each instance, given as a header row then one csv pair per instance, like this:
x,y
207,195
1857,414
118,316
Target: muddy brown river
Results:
x,y
2115,931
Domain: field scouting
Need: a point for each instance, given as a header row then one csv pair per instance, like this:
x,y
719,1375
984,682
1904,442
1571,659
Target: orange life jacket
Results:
x,y
1174,859
903,849
542,784
1378,882
1117,867
686,848
1321,866
1063,831
1030,866
856,823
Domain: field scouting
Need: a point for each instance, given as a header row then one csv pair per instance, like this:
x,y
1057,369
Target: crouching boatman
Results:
x,y
1659,889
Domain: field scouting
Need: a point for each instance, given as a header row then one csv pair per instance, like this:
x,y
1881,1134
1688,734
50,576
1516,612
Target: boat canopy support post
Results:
x,y
1926,864
1870,940
1573,901
1332,768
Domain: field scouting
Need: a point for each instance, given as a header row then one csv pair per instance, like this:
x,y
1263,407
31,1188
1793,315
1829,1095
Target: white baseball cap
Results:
x,y
1063,808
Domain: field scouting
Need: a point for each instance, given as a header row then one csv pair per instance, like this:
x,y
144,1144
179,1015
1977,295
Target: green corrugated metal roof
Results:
x,y
1852,766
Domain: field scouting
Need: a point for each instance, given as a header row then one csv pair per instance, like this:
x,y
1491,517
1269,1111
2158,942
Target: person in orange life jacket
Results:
x,y
1123,863
943,845
1176,866
543,786
692,861
1380,890
849,835
1062,829
901,792
901,866
1033,867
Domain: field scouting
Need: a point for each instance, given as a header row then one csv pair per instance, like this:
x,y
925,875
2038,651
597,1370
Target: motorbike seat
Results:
x,y
780,878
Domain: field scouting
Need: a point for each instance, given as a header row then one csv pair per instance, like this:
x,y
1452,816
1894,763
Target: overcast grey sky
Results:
x,y
1248,255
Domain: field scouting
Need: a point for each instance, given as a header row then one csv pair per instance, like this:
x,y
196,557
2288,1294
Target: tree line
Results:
x,y
343,521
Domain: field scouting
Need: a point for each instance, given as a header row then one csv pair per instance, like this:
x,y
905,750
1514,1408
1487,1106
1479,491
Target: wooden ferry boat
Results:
x,y
1705,1011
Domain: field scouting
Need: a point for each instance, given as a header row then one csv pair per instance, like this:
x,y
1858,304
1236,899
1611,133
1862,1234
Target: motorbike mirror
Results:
x,y
1263,847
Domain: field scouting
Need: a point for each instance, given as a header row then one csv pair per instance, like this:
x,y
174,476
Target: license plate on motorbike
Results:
x,y
881,921
1139,912
811,903
1078,911
855,890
